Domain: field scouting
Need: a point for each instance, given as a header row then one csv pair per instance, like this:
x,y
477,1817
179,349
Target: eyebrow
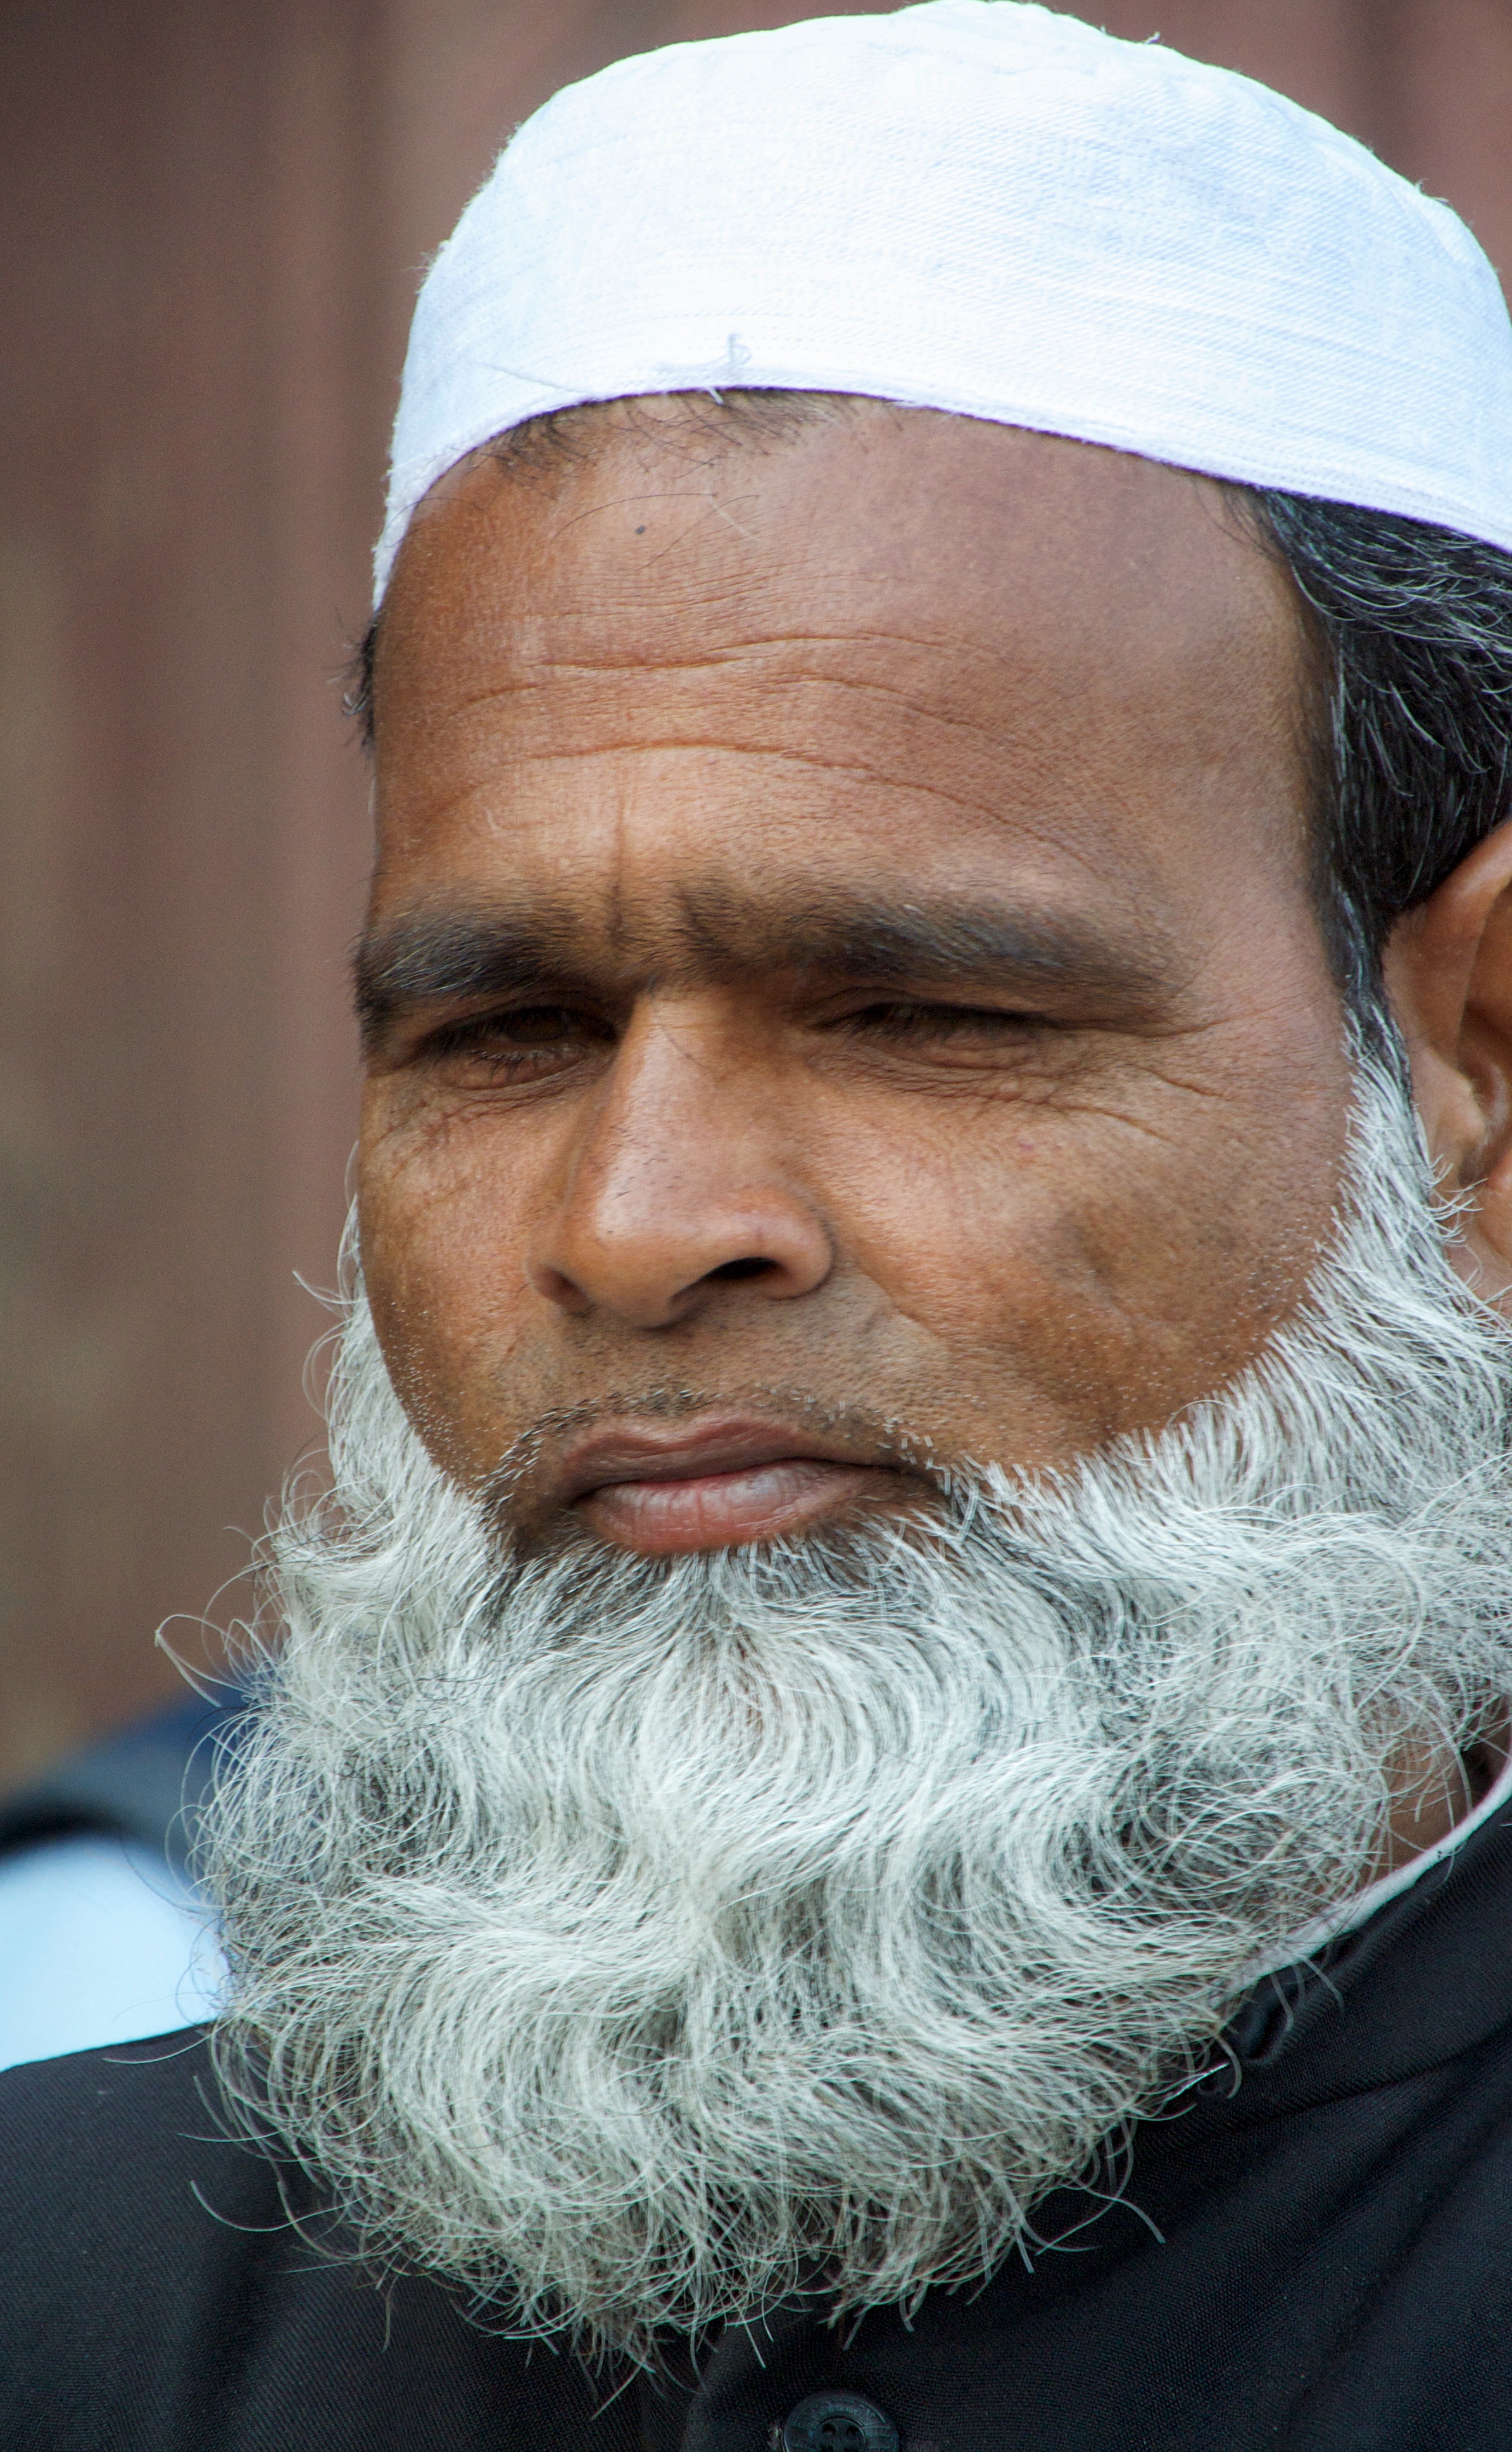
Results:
x,y
540,950
458,957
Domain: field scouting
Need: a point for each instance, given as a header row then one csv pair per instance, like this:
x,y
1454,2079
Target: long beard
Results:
x,y
634,1942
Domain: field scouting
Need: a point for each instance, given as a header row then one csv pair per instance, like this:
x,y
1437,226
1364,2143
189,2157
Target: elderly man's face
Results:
x,y
843,990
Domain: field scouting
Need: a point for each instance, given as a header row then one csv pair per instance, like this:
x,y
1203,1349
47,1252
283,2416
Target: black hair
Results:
x,y
1413,626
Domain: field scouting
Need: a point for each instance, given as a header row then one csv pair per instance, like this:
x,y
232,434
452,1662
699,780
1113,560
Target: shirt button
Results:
x,y
839,2422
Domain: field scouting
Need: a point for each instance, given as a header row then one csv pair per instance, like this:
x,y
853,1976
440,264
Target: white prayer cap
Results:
x,y
979,206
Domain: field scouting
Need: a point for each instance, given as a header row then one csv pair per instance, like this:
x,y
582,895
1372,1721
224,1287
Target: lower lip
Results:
x,y
718,1511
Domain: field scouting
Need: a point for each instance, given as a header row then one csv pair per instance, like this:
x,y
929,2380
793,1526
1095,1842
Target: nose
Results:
x,y
676,1188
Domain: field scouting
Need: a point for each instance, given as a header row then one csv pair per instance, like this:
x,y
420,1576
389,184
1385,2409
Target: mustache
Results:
x,y
525,1501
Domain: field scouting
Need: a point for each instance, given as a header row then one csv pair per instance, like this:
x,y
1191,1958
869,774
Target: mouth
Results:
x,y
717,1485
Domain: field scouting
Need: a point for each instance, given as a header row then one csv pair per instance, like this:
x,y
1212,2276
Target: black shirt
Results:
x,y
1318,2257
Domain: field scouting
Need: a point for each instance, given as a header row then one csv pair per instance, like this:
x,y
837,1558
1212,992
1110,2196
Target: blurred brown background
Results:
x,y
215,212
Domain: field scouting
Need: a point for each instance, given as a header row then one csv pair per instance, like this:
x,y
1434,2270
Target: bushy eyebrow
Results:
x,y
933,941
458,957
540,951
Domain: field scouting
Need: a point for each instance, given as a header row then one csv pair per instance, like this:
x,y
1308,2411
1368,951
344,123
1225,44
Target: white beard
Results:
x,y
632,1941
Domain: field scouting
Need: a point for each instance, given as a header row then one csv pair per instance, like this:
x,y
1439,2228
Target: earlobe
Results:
x,y
1448,974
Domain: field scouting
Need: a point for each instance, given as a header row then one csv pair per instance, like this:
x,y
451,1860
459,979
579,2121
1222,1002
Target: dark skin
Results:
x,y
843,995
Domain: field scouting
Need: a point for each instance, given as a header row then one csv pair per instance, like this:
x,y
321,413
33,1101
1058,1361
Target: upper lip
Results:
x,y
602,1457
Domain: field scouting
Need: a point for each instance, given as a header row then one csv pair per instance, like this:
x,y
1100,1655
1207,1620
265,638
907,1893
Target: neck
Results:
x,y
1435,1790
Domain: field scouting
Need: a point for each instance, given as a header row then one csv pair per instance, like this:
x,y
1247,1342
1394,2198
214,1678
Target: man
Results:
x,y
875,1815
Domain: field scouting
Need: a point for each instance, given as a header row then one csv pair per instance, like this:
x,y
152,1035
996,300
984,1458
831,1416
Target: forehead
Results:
x,y
889,644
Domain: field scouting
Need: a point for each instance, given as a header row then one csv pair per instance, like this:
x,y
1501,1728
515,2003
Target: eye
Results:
x,y
908,1020
928,1039
521,1041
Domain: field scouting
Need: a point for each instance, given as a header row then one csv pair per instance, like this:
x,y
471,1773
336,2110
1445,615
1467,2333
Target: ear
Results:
x,y
1448,974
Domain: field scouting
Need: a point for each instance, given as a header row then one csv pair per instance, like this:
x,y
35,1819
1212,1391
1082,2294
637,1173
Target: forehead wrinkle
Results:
x,y
605,617
869,710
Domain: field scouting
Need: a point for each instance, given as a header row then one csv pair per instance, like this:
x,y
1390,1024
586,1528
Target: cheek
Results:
x,y
1087,1275
443,1230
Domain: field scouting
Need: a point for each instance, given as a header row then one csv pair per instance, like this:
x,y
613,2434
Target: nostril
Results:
x,y
749,1268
